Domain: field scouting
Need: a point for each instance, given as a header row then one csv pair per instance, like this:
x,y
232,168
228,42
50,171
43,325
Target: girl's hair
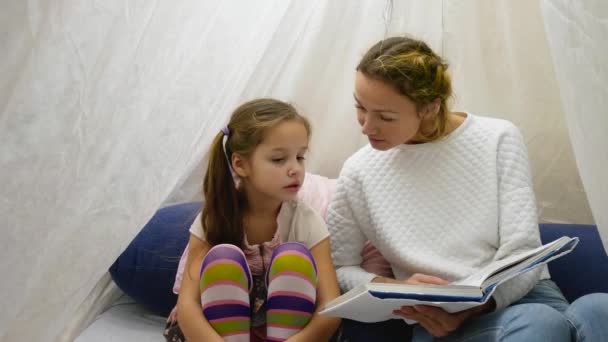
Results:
x,y
224,206
414,70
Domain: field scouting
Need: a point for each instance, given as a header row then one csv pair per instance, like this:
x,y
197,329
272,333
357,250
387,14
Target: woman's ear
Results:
x,y
435,106
240,165
431,109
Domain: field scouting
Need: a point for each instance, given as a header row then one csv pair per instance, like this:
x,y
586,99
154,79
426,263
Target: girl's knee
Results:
x,y
225,262
225,250
286,247
224,253
293,258
290,254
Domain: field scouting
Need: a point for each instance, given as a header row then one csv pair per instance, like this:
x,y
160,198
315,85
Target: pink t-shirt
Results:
x,y
316,192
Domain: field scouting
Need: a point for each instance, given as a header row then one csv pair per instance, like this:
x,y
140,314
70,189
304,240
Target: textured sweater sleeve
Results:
x,y
518,222
347,239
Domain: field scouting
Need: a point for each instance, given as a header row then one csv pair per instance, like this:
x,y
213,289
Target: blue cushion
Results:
x,y
585,269
146,269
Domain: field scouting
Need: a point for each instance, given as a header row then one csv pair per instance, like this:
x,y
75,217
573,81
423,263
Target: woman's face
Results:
x,y
387,118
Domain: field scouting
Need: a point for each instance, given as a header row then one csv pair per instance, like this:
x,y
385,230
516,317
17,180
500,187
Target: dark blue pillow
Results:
x,y
146,269
585,269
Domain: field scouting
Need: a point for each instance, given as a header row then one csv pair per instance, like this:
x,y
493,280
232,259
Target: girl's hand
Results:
x,y
173,315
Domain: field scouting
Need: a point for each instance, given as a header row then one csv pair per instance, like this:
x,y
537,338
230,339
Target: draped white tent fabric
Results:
x,y
107,109
578,35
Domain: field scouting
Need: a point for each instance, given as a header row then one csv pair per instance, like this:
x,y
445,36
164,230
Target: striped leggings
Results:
x,y
226,280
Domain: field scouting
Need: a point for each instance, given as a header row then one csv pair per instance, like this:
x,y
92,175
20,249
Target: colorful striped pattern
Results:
x,y
225,281
292,290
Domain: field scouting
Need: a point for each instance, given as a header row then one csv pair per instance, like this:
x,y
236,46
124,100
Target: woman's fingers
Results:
x,y
436,321
448,321
428,323
420,279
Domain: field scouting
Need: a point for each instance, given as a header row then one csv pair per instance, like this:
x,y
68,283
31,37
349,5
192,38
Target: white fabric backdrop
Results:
x,y
312,64
578,35
108,108
502,67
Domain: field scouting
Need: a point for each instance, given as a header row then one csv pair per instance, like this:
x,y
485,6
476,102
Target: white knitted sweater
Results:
x,y
445,208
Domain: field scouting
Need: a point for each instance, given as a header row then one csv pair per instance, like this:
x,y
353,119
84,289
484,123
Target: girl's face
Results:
x,y
386,117
275,170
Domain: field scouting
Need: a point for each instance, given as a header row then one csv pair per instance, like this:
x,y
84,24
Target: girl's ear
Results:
x,y
240,165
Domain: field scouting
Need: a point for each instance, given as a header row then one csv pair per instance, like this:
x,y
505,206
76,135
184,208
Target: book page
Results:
x,y
448,290
347,297
374,302
564,247
366,308
478,278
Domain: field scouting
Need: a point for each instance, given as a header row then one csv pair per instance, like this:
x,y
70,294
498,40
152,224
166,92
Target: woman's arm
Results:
x,y
345,217
518,221
321,328
190,313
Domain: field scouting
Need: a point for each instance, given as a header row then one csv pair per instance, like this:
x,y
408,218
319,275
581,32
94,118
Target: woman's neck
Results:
x,y
455,119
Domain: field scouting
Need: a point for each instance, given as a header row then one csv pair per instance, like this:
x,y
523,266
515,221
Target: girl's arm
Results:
x,y
190,313
321,328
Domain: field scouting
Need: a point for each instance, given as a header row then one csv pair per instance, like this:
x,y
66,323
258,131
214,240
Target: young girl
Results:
x,y
259,261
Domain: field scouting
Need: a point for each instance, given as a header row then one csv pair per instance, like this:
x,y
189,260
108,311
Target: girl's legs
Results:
x,y
225,281
292,283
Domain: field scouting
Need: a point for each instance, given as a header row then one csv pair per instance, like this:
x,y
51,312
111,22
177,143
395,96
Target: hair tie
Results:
x,y
235,177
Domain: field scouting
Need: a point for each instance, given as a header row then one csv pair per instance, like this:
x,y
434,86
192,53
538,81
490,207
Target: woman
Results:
x,y
441,194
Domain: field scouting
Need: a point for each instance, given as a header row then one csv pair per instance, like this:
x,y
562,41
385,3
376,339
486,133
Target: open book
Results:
x,y
374,302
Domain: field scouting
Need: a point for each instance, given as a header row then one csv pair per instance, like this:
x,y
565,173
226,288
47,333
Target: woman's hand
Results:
x,y
436,321
416,279
425,279
439,322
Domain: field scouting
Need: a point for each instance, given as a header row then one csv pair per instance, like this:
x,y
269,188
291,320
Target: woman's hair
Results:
x,y
224,206
414,70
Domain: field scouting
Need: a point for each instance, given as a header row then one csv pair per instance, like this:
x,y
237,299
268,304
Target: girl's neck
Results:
x,y
259,205
260,218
